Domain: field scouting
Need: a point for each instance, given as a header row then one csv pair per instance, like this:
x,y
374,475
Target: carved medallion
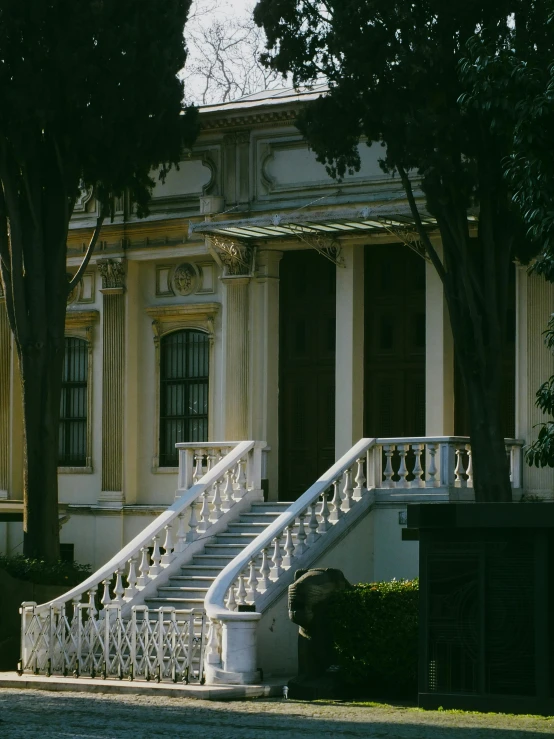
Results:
x,y
185,279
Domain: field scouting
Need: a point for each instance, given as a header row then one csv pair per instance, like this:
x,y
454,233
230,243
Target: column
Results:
x,y
439,358
349,363
113,378
236,357
534,365
5,398
264,316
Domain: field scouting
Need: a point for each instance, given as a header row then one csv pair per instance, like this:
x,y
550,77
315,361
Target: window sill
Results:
x,y
164,470
75,470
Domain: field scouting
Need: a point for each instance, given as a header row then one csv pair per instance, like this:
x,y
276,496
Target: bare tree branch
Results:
x,y
90,249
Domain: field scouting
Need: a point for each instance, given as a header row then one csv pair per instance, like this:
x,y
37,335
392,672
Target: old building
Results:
x,y
263,300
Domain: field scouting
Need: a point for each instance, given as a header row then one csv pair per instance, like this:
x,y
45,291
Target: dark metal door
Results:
x,y
306,370
394,395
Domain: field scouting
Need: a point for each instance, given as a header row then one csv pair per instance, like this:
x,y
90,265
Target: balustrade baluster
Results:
x,y
432,471
240,488
336,503
131,590
469,470
119,590
252,582
324,524
301,536
193,522
227,497
388,482
360,480
347,492
217,512
459,469
181,534
167,557
276,570
204,522
264,571
144,567
231,602
313,524
155,568
92,611
402,469
199,460
289,547
241,591
417,482
106,599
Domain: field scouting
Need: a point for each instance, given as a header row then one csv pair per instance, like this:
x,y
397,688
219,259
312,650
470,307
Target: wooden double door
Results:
x,y
394,381
307,294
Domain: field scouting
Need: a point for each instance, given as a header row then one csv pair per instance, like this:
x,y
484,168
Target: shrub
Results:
x,y
375,634
44,573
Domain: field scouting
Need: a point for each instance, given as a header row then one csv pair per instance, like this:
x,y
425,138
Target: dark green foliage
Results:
x,y
396,76
44,573
541,452
375,630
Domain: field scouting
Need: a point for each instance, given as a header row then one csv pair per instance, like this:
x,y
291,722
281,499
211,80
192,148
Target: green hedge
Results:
x,y
375,633
44,573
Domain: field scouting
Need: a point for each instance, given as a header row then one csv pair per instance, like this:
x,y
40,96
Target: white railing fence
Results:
x,y
431,462
224,474
162,645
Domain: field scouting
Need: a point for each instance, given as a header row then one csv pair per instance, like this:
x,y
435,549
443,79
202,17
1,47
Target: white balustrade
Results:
x,y
438,462
204,468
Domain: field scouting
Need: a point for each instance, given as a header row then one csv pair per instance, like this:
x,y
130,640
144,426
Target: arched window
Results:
x,y
73,408
184,373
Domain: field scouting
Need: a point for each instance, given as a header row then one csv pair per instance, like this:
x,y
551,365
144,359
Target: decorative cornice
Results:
x,y
168,318
213,121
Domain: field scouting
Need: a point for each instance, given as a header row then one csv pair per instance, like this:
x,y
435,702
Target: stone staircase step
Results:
x,y
195,570
190,581
259,517
213,560
230,549
171,592
241,538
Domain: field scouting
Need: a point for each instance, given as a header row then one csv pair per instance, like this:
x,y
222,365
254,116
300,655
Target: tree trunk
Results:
x,y
41,372
490,463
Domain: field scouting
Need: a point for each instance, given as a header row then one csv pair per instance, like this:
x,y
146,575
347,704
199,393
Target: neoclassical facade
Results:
x,y
259,300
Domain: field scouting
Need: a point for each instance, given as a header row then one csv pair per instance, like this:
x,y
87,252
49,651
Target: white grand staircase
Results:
x,y
184,599
188,589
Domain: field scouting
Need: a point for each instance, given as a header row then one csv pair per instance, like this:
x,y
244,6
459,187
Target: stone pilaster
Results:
x,y
534,365
113,378
264,382
5,400
236,357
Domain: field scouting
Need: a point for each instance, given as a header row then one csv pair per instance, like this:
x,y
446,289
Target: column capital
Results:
x,y
112,272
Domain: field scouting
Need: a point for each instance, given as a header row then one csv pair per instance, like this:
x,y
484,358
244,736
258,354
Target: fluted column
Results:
x,y
534,365
5,404
236,357
113,378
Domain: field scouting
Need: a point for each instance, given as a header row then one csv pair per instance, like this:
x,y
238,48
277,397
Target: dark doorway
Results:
x,y
508,391
394,395
307,296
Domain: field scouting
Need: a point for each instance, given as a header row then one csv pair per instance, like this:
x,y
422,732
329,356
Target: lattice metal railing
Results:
x,y
162,644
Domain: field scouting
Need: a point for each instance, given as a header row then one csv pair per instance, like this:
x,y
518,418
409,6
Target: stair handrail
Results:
x,y
128,554
214,604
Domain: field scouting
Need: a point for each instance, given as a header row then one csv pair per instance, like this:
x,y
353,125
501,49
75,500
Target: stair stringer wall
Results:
x,y
361,550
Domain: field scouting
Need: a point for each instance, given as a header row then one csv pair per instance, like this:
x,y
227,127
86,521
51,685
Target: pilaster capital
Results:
x,y
235,256
112,272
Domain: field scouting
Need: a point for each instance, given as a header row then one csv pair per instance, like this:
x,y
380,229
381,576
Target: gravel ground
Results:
x,y
35,713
